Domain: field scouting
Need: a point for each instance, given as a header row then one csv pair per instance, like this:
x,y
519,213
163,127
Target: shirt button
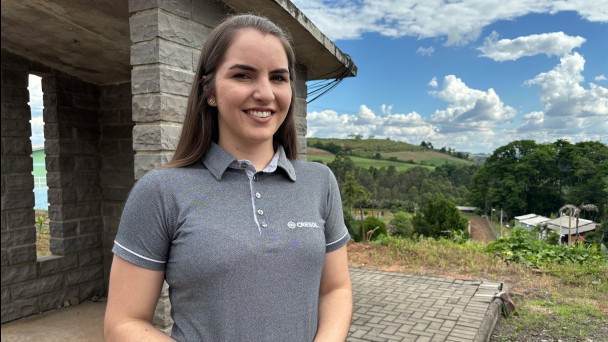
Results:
x,y
255,178
264,225
244,165
260,212
258,195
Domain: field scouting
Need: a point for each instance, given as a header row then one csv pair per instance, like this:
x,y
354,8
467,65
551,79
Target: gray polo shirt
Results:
x,y
242,255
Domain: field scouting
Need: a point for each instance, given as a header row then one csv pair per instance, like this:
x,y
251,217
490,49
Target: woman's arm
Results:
x,y
132,298
335,298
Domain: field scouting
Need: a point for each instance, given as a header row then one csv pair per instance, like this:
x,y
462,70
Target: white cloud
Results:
x,y
409,127
36,107
433,82
550,44
570,111
469,108
422,51
386,109
562,94
460,22
600,78
35,89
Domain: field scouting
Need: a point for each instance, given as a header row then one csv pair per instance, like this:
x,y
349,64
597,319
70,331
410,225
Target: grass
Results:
x,y
366,162
567,302
433,158
43,235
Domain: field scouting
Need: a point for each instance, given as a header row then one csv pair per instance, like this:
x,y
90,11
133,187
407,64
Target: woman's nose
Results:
x,y
263,91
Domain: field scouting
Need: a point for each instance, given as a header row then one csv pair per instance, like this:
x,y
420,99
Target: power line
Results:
x,y
320,88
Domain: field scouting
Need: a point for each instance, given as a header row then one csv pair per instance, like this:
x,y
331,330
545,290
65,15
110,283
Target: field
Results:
x,y
380,153
365,162
427,157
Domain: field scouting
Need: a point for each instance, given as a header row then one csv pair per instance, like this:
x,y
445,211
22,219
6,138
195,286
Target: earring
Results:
x,y
211,101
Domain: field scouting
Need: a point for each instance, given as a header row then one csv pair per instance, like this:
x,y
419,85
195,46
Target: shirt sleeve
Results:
x,y
336,233
143,236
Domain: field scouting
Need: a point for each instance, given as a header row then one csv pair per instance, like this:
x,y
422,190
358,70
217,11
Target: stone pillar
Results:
x,y
301,125
166,45
18,230
167,38
72,160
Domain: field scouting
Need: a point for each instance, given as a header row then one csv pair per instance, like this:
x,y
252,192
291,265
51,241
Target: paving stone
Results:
x,y
401,307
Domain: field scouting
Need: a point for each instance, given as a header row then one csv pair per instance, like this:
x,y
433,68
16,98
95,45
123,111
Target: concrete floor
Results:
x,y
83,322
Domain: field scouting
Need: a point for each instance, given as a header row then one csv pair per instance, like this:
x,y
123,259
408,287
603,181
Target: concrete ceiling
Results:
x,y
86,39
90,39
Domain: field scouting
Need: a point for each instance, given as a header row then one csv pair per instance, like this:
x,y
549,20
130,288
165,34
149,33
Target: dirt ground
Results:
x,y
480,229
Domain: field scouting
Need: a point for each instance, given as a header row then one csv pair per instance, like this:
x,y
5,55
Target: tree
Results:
x,y
353,193
439,218
401,225
351,225
340,166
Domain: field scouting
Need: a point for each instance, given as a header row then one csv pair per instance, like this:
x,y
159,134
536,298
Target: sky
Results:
x,y
472,75
469,75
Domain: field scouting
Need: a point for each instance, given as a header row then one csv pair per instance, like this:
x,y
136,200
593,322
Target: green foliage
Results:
x,y
439,218
41,220
523,177
353,227
375,225
522,246
401,225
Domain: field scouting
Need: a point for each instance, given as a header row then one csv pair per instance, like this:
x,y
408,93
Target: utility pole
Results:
x,y
500,222
569,227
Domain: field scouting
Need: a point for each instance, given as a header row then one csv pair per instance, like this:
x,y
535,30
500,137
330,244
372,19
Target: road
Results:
x,y
480,230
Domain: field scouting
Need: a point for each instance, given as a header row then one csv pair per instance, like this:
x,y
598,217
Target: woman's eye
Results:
x,y
278,78
241,76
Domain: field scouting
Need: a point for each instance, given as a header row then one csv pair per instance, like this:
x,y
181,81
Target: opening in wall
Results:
x,y
41,206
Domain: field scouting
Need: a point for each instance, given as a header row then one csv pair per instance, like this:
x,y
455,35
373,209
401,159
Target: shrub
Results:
x,y
372,223
522,246
439,218
401,225
354,229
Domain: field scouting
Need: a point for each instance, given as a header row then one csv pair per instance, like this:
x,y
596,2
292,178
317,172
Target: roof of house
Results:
x,y
525,217
91,39
561,225
534,221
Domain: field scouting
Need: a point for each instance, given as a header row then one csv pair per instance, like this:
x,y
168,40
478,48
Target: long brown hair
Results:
x,y
200,126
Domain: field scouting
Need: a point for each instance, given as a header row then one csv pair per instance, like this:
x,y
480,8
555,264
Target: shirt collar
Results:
x,y
217,161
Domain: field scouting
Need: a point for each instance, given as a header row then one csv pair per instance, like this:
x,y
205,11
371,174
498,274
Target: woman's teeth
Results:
x,y
259,114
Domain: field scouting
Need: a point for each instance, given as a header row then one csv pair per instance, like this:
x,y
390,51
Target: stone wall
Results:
x,y
89,173
116,162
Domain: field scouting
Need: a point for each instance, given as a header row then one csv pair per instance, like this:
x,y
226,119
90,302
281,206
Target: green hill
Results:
x,y
379,153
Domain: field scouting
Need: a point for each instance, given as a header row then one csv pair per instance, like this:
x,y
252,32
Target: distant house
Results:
x,y
466,209
531,221
566,225
518,219
563,225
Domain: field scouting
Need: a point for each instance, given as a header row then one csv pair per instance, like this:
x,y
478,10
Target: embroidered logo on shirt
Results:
x,y
294,225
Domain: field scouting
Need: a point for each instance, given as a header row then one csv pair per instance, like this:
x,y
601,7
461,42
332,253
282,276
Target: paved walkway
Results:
x,y
388,307
402,307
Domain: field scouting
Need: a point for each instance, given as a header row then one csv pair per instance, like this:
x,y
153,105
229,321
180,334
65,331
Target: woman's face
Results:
x,y
252,90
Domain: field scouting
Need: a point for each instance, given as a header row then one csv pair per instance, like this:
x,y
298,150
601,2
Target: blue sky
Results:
x,y
470,75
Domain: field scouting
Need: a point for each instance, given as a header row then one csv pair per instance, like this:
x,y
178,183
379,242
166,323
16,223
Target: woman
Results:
x,y
250,240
